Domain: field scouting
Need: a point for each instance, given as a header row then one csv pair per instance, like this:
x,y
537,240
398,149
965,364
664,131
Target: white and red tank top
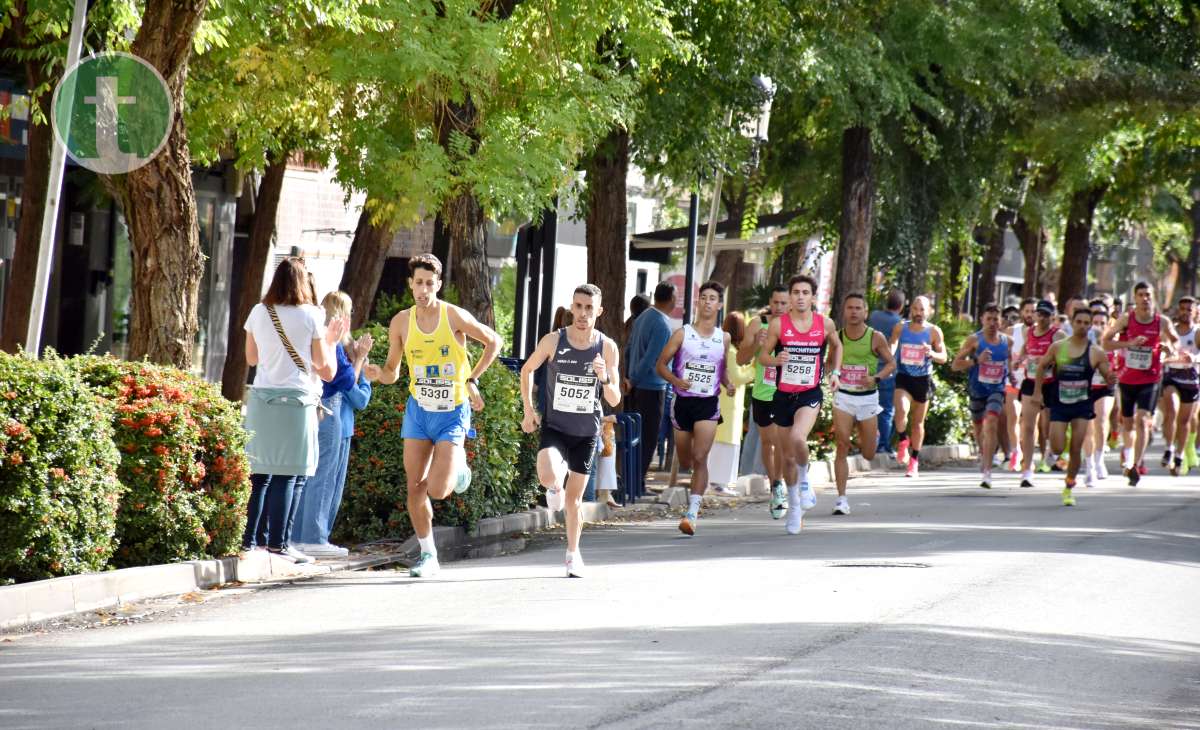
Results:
x,y
806,354
1035,347
1143,364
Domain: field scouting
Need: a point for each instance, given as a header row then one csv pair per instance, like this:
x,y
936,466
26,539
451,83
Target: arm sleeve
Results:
x,y
359,395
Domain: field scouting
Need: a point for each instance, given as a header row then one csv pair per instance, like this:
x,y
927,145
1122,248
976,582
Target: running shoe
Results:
x,y
986,481
808,498
841,506
1089,481
1133,476
556,499
795,519
1059,466
997,460
1167,457
778,500
1101,469
902,452
1176,466
462,481
688,524
1027,480
575,567
1043,467
724,490
1142,470
1014,461
1068,497
913,469
292,554
425,567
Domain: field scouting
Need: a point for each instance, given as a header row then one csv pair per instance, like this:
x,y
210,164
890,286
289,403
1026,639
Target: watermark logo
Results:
x,y
113,113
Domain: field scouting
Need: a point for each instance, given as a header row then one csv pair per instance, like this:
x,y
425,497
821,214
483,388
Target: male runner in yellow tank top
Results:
x,y
433,335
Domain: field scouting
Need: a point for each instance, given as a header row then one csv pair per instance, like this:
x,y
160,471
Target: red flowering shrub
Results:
x,y
58,472
183,462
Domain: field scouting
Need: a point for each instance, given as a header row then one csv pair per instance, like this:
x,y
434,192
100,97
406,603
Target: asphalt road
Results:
x,y
936,604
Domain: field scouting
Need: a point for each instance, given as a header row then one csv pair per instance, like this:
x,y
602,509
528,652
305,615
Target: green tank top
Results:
x,y
858,361
764,382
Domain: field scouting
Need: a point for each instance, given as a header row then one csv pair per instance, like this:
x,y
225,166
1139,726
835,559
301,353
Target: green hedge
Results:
x,y
502,458
182,460
58,472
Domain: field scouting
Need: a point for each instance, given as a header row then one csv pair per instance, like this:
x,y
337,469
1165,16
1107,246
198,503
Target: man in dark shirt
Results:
x,y
644,389
885,321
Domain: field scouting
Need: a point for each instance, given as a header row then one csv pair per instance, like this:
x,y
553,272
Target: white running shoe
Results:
x,y
1089,480
1101,469
779,500
575,567
808,498
292,554
425,567
841,506
985,480
795,519
556,498
322,550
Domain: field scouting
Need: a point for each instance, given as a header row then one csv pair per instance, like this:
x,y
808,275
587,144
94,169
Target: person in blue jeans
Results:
x,y
885,321
346,393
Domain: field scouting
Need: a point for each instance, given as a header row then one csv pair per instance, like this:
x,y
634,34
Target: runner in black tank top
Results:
x,y
582,367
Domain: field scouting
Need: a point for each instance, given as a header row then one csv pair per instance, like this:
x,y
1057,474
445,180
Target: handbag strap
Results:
x,y
287,344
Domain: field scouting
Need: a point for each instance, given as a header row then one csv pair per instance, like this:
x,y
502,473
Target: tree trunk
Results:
x,y
858,216
441,242
364,266
258,247
606,225
29,229
954,287
1187,284
992,238
159,203
725,264
472,279
1072,277
1033,243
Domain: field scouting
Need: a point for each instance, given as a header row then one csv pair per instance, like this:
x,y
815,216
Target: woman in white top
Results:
x,y
292,350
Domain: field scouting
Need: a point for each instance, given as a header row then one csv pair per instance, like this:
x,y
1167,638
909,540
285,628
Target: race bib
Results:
x,y
800,371
1072,391
991,373
770,376
435,394
1031,366
853,377
1138,358
702,376
575,394
913,355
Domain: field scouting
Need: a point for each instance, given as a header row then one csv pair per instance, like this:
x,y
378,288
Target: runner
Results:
x,y
762,395
1012,390
1181,386
856,401
1102,400
988,354
1148,334
803,345
693,363
432,335
1075,361
1037,344
581,365
920,346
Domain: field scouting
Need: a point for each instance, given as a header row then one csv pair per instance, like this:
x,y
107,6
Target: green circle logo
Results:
x,y
113,112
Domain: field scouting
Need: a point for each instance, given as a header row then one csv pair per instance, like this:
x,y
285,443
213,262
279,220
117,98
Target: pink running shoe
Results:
x,y
902,452
912,468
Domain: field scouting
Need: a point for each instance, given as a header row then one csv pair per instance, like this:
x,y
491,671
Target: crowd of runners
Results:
x,y
1063,384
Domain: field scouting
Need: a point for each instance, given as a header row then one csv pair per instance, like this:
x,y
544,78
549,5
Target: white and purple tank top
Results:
x,y
700,361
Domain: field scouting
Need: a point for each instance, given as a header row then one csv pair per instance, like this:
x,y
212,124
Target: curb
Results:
x,y
37,601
